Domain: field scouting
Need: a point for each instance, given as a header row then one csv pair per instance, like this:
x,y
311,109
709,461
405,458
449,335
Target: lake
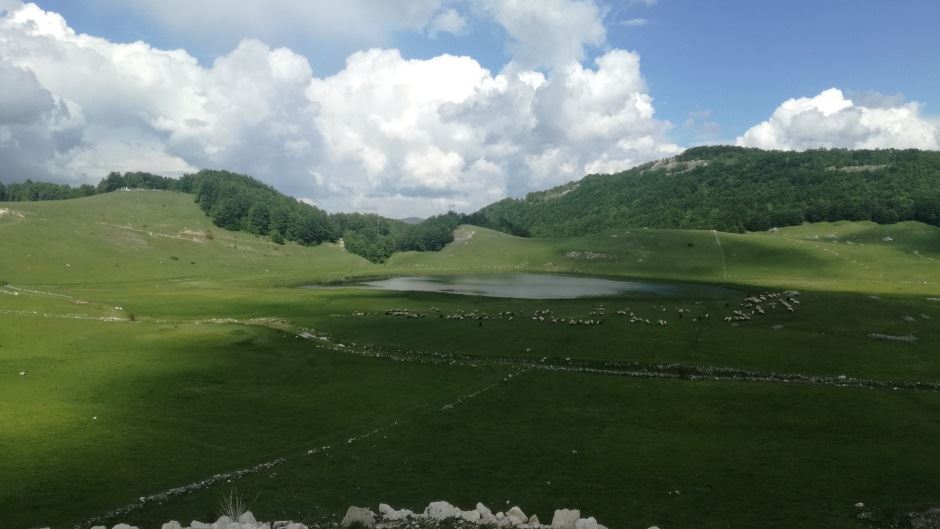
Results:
x,y
543,286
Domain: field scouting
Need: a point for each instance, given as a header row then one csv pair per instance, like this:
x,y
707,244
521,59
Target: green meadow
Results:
x,y
142,349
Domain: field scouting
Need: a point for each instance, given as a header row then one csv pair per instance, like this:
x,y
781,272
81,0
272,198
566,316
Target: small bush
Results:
x,y
277,238
131,316
174,258
209,235
4,282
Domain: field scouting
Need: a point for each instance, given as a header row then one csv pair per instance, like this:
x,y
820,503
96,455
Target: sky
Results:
x,y
414,107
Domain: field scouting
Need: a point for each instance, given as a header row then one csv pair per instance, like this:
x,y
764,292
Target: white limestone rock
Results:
x,y
247,518
172,525
441,510
391,514
358,515
565,518
586,523
471,516
222,523
534,520
195,524
516,516
486,515
123,526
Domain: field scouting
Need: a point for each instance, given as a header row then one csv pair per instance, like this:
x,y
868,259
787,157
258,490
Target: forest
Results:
x,y
733,189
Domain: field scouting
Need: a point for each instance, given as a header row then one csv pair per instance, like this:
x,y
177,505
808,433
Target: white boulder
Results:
x,y
516,516
471,516
360,515
586,523
222,523
391,514
486,515
565,518
534,520
247,518
195,524
172,525
123,526
441,510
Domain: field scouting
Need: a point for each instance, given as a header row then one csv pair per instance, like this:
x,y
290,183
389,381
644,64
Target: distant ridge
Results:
x,y
733,189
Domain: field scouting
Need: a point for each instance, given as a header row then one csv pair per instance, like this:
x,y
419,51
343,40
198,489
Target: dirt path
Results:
x,y
724,266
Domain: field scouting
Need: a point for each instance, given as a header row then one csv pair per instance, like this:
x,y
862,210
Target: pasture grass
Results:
x,y
191,387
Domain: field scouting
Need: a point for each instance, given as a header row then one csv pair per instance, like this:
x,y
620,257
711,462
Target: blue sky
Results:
x,y
737,59
533,93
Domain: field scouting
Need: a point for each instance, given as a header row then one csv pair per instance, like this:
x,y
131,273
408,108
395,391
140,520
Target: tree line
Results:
x,y
733,189
240,203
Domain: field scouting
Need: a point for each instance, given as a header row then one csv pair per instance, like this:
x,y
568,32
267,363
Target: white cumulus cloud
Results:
x,y
386,133
831,120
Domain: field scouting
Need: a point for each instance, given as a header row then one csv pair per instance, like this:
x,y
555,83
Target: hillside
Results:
x,y
733,189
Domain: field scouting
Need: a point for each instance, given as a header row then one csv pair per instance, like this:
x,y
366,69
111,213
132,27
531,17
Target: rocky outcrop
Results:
x,y
437,514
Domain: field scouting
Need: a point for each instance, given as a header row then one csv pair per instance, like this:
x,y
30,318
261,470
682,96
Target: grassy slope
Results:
x,y
200,398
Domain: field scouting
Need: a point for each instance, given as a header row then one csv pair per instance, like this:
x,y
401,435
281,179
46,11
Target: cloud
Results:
x,y
831,120
549,33
448,21
356,21
635,22
386,133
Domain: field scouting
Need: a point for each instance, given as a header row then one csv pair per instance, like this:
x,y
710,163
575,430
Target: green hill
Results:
x,y
733,189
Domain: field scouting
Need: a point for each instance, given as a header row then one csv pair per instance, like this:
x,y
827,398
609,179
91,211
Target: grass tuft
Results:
x,y
233,504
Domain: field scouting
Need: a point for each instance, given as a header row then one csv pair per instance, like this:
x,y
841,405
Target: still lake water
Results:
x,y
543,286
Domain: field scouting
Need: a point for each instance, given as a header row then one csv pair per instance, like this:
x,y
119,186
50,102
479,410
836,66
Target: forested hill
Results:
x,y
733,189
241,203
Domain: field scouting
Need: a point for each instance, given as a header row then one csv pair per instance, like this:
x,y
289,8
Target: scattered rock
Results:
x,y
516,516
471,516
360,515
247,518
586,255
441,510
586,523
172,525
565,518
389,513
890,338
